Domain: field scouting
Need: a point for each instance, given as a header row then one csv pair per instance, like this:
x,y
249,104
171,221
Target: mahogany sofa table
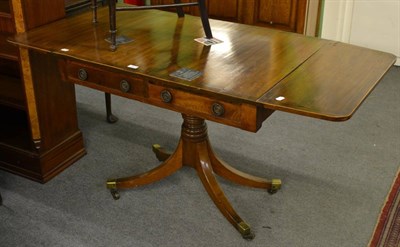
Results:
x,y
239,82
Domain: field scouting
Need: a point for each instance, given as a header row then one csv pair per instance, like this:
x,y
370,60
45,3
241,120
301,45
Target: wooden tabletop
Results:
x,y
269,68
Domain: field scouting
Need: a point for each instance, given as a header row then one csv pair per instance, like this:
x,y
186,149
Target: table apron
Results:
x,y
137,87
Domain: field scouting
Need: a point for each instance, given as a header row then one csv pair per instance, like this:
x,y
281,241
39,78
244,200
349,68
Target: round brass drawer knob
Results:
x,y
166,96
82,74
125,86
218,109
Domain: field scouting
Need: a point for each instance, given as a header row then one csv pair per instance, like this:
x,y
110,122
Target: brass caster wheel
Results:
x,y
111,118
115,194
276,185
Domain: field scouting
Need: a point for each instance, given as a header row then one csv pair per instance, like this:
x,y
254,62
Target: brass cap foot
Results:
x,y
245,230
276,185
111,184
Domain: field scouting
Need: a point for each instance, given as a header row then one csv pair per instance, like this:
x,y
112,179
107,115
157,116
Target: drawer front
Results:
x,y
106,80
244,116
194,104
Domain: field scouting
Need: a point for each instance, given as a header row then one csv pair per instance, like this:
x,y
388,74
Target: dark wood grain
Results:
x,y
5,6
55,101
6,22
224,10
45,11
253,65
61,140
249,62
7,50
288,15
36,146
11,92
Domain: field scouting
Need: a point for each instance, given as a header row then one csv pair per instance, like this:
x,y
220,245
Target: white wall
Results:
x,y
370,23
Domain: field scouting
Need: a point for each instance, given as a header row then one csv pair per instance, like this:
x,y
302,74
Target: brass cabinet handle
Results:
x,y
218,109
166,96
82,74
124,86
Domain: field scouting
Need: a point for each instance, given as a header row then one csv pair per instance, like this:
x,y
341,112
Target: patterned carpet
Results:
x,y
387,231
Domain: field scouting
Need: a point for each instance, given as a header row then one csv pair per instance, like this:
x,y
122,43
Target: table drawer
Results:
x,y
106,80
241,115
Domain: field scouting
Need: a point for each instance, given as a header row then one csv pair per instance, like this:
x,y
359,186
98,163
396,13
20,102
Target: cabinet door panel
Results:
x,y
5,6
224,9
6,21
37,12
277,13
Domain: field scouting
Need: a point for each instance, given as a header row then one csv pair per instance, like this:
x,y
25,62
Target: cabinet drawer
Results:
x,y
241,115
106,80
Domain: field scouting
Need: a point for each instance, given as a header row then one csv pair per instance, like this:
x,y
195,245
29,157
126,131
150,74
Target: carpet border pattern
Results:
x,y
387,230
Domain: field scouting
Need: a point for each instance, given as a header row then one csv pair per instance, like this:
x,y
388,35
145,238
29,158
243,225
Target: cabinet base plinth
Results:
x,y
41,167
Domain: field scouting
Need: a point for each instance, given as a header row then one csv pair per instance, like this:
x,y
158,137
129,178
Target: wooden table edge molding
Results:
x,y
240,82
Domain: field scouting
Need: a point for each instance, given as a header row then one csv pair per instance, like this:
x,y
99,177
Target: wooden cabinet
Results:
x,y
74,6
225,10
39,135
218,9
288,15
